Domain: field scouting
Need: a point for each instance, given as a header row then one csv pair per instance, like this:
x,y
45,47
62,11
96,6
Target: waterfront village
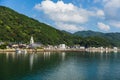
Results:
x,y
38,47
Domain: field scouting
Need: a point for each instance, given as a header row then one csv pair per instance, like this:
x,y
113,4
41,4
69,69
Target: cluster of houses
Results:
x,y
57,47
63,47
79,48
24,46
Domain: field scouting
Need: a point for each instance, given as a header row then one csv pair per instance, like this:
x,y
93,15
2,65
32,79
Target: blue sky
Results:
x,y
71,15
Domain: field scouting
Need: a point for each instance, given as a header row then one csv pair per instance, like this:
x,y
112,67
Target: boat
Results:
x,y
21,51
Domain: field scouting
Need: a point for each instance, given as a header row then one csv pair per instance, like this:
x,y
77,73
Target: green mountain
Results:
x,y
88,33
112,38
15,27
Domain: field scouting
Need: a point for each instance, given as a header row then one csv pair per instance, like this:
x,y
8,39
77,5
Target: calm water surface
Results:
x,y
60,66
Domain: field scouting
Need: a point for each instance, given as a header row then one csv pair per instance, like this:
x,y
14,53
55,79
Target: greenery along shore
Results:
x,y
16,27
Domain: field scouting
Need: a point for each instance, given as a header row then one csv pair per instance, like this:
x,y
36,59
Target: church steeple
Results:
x,y
31,40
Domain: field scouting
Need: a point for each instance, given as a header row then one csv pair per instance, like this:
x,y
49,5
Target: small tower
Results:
x,y
31,40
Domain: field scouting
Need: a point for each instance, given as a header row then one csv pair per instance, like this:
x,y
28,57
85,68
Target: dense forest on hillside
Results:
x,y
111,38
16,27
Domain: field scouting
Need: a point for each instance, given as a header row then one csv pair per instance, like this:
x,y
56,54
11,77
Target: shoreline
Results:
x,y
60,50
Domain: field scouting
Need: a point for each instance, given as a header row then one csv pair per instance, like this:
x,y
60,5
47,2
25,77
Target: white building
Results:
x,y
82,47
31,40
101,48
34,44
62,46
115,48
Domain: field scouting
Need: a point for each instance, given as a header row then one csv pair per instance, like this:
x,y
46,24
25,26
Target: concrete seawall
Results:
x,y
60,50
14,50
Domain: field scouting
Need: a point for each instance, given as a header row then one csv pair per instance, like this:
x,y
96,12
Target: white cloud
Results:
x,y
115,23
66,14
96,1
103,26
112,9
97,12
63,12
100,13
68,17
69,27
105,1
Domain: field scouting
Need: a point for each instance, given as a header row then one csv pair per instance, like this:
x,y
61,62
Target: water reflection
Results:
x,y
46,55
13,56
116,55
106,51
60,66
101,56
63,56
101,51
7,56
115,51
31,61
10,55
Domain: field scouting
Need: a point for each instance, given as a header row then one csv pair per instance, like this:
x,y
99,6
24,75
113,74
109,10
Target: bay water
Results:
x,y
60,66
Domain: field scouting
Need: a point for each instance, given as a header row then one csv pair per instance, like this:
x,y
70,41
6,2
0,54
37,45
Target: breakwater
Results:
x,y
61,50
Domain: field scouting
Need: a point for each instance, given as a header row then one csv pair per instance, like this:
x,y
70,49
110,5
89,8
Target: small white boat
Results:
x,y
24,51
17,51
21,51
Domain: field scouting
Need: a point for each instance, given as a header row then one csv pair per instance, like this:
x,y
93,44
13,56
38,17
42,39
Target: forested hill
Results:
x,y
113,38
15,27
88,33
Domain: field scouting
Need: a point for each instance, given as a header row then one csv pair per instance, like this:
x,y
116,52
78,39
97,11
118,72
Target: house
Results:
x,y
82,47
115,48
62,46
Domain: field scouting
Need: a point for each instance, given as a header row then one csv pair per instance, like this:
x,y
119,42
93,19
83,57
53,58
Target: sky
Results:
x,y
71,15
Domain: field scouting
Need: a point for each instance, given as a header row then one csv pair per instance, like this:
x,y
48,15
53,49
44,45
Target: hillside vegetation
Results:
x,y
16,27
111,38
